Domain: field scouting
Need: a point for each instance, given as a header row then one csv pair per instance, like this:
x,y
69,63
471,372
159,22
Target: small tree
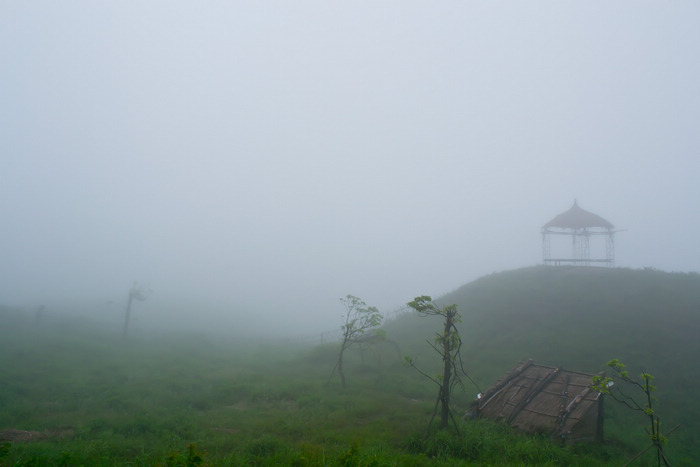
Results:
x,y
605,385
139,293
448,344
357,320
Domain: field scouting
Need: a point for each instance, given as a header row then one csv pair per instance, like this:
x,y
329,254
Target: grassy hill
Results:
x,y
580,318
75,393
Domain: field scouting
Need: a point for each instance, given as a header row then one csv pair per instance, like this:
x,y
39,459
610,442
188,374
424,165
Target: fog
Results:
x,y
252,162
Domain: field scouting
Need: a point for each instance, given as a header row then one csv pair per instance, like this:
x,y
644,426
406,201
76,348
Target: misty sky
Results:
x,y
275,156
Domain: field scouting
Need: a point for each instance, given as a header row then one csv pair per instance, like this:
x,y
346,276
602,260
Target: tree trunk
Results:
x,y
446,373
340,366
128,312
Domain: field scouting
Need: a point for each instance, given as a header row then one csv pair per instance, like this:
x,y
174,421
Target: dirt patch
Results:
x,y
23,436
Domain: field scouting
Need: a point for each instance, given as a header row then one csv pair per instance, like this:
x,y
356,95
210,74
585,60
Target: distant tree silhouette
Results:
x,y
136,292
39,314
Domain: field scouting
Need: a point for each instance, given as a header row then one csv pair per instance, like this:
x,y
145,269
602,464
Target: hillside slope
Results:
x,y
580,318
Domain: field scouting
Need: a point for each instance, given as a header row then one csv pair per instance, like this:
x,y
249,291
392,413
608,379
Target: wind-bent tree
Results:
x,y
357,320
448,344
605,385
139,293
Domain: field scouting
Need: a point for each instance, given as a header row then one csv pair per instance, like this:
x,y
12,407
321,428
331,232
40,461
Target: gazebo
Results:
x,y
580,226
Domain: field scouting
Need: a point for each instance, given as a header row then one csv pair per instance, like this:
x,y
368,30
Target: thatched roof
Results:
x,y
577,218
541,399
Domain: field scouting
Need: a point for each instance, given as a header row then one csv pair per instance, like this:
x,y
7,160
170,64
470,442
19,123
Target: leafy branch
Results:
x,y
606,385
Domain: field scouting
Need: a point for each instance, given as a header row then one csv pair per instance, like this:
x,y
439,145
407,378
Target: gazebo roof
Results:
x,y
577,218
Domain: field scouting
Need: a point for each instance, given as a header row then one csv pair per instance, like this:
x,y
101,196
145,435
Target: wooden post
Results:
x,y
599,434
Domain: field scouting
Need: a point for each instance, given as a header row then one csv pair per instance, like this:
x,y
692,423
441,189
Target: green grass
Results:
x,y
188,400
140,402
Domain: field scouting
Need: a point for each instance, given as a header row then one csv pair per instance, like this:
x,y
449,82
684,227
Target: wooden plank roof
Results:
x,y
541,399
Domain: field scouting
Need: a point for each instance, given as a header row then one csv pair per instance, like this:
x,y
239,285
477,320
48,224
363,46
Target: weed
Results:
x,y
192,457
4,449
265,446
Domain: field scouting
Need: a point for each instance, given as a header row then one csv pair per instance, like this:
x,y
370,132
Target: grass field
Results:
x,y
87,396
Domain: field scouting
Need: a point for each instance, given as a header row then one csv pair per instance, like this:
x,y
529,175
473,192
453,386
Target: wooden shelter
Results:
x,y
540,399
580,226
